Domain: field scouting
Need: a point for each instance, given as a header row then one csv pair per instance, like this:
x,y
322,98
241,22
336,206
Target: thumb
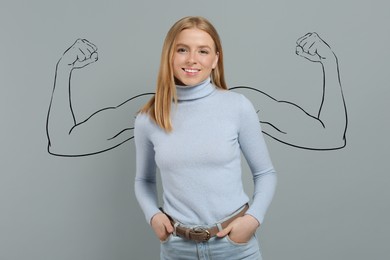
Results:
x,y
300,52
225,231
82,63
168,226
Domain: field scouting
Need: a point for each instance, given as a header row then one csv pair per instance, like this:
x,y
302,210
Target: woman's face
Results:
x,y
194,57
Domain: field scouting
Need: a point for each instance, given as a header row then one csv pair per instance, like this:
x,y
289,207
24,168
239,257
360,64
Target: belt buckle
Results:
x,y
199,231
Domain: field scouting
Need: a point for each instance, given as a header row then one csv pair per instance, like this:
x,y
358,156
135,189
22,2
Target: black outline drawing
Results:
x,y
110,127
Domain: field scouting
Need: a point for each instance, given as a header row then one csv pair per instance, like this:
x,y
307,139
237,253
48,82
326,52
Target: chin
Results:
x,y
187,82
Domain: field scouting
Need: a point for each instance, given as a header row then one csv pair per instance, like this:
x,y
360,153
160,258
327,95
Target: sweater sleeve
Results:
x,y
255,151
145,178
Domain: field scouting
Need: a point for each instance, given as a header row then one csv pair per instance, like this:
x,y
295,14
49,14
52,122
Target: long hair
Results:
x,y
159,106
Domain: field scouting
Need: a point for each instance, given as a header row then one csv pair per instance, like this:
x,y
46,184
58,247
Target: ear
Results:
x,y
216,60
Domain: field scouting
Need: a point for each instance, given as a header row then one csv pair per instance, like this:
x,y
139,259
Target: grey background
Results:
x,y
329,205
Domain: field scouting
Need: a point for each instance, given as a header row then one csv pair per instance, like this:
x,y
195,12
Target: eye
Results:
x,y
181,50
204,52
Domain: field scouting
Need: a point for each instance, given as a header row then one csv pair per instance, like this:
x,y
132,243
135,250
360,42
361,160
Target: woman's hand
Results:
x,y
161,225
241,229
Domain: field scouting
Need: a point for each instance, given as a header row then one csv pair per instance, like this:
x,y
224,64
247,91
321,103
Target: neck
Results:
x,y
201,90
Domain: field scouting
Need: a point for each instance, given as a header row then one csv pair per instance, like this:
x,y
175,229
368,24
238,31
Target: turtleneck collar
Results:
x,y
201,90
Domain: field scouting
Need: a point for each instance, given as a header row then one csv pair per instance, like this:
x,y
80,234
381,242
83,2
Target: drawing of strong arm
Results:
x,y
283,121
103,130
289,123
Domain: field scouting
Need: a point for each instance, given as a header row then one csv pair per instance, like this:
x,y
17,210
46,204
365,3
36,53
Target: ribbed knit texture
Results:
x,y
200,160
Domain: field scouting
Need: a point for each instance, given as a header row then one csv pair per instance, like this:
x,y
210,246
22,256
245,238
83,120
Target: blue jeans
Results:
x,y
215,249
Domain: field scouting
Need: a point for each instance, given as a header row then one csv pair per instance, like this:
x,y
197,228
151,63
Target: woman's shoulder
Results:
x,y
234,97
143,120
144,126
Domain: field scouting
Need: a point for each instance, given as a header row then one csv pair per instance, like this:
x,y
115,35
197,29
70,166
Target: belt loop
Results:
x,y
187,233
174,228
219,226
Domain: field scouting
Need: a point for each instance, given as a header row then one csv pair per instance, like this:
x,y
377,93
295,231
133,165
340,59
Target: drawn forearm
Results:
x,y
332,112
60,118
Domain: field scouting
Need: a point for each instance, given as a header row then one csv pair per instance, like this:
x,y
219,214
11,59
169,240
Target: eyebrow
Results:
x,y
199,47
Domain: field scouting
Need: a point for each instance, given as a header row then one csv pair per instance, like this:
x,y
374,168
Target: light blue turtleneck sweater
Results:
x,y
200,160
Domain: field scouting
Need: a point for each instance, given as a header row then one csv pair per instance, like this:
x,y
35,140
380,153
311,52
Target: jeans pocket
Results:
x,y
237,243
167,239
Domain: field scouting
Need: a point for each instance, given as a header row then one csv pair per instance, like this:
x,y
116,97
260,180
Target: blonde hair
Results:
x,y
159,106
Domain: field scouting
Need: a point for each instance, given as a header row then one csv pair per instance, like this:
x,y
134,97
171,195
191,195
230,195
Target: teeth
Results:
x,y
191,70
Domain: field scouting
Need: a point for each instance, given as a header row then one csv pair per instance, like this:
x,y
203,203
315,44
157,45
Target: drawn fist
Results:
x,y
80,54
313,48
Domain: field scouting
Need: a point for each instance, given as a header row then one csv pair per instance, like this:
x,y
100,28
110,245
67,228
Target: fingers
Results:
x,y
168,226
312,47
244,226
225,231
90,45
85,49
300,39
161,225
80,54
86,52
300,52
307,43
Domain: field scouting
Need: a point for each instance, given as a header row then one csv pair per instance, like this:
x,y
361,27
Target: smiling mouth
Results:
x,y
191,70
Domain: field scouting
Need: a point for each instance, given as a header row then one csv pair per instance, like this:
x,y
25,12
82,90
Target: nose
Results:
x,y
191,58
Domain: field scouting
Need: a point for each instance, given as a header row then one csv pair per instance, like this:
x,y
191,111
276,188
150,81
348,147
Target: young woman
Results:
x,y
194,130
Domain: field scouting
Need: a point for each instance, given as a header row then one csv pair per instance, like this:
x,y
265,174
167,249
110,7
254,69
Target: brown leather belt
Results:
x,y
199,234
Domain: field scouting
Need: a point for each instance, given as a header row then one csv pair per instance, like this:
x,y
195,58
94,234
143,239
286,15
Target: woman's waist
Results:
x,y
204,213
